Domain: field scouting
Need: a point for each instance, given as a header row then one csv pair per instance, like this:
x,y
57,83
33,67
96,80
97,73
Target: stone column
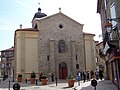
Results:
x,y
73,60
52,56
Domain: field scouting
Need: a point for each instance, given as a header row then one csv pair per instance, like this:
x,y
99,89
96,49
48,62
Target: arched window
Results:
x,y
61,46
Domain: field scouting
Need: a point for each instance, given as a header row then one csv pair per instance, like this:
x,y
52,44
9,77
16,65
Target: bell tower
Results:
x,y
37,16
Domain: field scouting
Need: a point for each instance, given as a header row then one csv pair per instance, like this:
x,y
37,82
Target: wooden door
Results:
x,y
62,70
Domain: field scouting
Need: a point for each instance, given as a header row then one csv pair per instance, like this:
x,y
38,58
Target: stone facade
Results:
x,y
57,45
52,29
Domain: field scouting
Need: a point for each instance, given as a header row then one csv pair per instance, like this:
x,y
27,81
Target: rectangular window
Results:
x,y
76,57
10,53
3,65
96,59
113,14
77,66
48,58
105,3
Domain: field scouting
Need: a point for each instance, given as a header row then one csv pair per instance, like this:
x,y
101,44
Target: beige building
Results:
x,y
90,51
55,44
100,62
26,51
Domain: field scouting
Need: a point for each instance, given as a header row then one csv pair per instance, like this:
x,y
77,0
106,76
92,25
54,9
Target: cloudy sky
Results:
x,y
16,12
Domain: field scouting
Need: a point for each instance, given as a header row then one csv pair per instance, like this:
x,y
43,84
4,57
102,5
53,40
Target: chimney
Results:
x,y
20,26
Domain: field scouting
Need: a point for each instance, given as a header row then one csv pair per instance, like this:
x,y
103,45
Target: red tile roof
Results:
x,y
9,49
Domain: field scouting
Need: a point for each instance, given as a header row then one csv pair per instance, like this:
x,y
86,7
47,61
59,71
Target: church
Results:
x,y
55,44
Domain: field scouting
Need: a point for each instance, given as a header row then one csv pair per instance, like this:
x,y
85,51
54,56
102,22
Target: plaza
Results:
x,y
61,85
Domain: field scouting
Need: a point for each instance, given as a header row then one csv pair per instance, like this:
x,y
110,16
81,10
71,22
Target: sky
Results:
x,y
16,12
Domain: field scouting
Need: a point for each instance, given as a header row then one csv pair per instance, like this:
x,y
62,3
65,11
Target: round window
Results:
x,y
61,26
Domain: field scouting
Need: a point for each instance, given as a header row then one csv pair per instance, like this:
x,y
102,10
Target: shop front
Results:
x,y
115,67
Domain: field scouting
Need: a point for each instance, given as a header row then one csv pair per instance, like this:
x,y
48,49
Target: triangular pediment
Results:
x,y
59,16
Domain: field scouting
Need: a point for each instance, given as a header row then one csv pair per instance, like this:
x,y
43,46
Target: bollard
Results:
x,y
9,86
94,83
78,83
36,82
16,86
56,80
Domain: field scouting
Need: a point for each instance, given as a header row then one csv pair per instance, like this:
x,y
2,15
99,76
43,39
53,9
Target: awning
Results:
x,y
114,58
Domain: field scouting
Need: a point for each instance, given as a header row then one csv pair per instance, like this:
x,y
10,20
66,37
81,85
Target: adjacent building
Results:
x,y
90,52
109,11
100,62
7,62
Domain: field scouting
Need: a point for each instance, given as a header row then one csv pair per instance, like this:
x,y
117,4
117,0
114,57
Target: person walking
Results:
x,y
40,75
101,74
87,74
92,74
97,74
78,78
52,77
84,76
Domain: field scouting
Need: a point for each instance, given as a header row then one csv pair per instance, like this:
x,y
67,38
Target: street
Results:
x,y
61,85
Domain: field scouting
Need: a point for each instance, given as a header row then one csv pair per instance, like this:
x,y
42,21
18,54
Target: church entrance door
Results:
x,y
62,70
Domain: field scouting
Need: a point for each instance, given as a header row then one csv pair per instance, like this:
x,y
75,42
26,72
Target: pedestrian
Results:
x,y
81,74
52,77
92,74
87,74
78,78
97,74
101,74
84,76
40,75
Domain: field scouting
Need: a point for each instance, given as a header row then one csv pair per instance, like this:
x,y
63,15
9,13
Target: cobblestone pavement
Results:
x,y
61,85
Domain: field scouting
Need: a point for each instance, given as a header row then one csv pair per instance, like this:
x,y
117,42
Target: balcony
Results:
x,y
111,35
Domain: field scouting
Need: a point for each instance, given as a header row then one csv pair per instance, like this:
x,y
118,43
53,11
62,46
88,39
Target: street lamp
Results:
x,y
13,73
108,26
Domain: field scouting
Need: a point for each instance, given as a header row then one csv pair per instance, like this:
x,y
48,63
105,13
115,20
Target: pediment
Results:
x,y
59,17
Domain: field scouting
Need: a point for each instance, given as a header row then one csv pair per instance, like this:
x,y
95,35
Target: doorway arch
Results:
x,y
63,70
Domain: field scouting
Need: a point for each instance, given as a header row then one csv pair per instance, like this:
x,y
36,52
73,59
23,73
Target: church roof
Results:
x,y
58,14
27,29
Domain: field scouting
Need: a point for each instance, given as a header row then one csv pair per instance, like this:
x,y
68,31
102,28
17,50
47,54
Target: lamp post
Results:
x,y
13,73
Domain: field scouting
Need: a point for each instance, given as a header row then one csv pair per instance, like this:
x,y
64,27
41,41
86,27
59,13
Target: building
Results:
x,y
90,52
26,51
109,11
100,62
7,62
55,44
0,69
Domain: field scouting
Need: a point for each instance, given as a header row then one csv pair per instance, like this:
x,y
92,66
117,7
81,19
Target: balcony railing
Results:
x,y
114,35
113,38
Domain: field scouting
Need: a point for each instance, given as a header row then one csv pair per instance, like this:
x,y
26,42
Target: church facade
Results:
x,y
55,44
